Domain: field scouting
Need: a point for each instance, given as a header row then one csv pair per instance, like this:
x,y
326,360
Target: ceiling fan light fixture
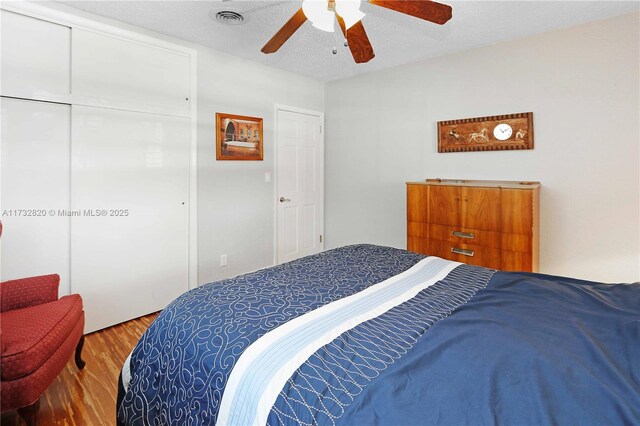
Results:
x,y
350,12
318,13
324,13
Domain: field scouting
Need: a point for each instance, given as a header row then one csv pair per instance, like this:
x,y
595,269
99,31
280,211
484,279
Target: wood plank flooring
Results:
x,y
88,397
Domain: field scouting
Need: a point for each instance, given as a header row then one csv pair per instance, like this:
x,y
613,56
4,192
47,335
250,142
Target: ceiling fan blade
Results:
x,y
428,10
285,32
359,43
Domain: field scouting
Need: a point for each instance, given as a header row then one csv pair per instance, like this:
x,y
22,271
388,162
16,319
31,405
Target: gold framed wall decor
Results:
x,y
238,137
493,133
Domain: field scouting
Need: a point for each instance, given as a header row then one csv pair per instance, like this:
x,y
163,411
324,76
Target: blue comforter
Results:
x,y
473,346
529,349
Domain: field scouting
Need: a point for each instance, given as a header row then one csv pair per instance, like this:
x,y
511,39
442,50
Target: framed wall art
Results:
x,y
238,137
493,133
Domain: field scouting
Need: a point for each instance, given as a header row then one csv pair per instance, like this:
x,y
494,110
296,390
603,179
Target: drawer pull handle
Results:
x,y
460,234
462,251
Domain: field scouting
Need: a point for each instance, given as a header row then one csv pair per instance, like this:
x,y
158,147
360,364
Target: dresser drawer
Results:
x,y
418,245
519,262
458,235
418,229
517,242
466,253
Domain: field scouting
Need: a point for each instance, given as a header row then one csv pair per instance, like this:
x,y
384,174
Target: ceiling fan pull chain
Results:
x,y
335,43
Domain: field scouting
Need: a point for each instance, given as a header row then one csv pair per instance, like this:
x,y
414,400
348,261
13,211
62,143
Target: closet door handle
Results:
x,y
284,200
460,234
462,251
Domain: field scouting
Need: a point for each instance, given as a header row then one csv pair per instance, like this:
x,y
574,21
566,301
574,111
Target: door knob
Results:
x,y
284,200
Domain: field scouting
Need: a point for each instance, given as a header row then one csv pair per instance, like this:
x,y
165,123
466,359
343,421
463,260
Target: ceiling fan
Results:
x,y
323,14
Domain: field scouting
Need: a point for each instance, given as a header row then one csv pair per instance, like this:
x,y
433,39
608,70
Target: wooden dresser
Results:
x,y
485,223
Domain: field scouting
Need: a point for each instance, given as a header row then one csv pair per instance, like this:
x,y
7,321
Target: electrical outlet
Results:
x,y
223,260
267,177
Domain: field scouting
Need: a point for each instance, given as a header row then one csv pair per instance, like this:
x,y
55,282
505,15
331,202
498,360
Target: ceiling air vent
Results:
x,y
229,17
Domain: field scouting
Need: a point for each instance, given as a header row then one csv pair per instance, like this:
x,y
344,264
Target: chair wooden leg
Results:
x,y
79,362
30,413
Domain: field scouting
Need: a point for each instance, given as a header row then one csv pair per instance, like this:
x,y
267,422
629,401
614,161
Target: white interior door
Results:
x,y
35,189
130,187
300,184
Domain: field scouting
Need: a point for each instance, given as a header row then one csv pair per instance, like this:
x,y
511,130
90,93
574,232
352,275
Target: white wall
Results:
x,y
235,204
582,84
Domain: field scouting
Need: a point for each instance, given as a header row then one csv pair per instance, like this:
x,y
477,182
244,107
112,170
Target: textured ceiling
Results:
x,y
397,39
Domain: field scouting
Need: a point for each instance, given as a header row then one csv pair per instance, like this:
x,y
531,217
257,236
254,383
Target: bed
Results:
x,y
364,335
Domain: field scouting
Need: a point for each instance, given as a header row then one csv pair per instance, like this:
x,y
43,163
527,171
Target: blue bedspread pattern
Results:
x,y
180,366
321,389
264,368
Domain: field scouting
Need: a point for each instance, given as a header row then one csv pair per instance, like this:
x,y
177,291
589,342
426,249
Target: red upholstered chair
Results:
x,y
38,335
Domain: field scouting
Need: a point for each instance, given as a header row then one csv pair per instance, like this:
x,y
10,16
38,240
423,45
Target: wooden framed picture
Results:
x,y
238,137
494,133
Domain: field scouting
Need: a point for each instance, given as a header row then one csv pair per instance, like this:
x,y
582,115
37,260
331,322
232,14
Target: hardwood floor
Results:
x,y
88,397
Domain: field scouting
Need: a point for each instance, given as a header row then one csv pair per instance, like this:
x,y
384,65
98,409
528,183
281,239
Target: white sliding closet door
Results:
x,y
35,189
35,56
114,69
130,170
